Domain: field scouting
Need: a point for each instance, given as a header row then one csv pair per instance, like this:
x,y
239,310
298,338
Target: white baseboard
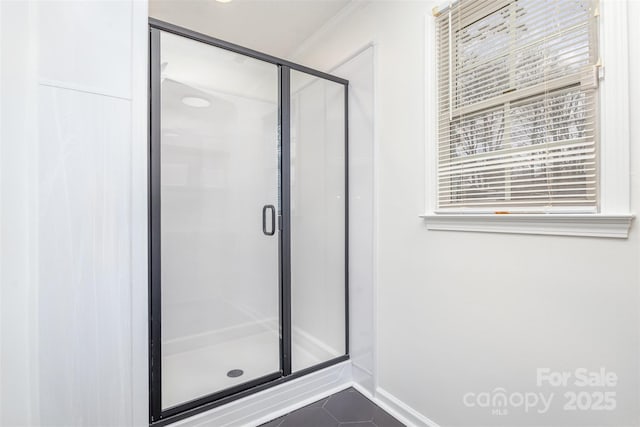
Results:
x,y
362,379
274,402
266,405
400,410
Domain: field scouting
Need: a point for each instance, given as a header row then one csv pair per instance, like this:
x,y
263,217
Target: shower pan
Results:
x,y
248,221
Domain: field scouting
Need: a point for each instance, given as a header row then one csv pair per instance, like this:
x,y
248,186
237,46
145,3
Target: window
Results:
x,y
518,85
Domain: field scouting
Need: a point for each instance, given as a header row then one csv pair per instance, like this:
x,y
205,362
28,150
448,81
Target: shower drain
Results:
x,y
235,373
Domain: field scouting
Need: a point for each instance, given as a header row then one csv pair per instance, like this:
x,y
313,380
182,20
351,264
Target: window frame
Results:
x,y
614,217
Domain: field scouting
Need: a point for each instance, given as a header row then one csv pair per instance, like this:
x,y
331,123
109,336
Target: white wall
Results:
x,y
73,165
468,312
18,382
359,71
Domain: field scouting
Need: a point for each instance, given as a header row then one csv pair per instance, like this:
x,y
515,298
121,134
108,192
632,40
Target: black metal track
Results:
x,y
155,305
184,32
285,165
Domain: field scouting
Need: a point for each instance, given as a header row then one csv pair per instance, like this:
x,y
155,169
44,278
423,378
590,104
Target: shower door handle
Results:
x,y
266,208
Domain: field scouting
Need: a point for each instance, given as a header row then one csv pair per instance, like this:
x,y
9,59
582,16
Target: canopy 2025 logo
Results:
x,y
585,390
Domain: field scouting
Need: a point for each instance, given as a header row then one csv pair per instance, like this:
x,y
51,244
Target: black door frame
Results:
x,y
158,416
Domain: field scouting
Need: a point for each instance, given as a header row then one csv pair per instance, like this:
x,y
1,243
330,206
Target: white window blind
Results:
x,y
517,102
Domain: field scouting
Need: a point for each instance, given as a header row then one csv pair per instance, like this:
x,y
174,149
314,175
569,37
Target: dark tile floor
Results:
x,y
347,408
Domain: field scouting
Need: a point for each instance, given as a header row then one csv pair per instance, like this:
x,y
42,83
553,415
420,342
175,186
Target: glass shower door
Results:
x,y
318,220
219,207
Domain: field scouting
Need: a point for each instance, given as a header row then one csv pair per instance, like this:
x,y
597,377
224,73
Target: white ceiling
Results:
x,y
276,27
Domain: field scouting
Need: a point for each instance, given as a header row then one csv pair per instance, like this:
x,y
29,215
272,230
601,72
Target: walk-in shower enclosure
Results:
x,y
248,221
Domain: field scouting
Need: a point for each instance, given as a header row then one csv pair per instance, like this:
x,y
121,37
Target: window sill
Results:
x,y
585,225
